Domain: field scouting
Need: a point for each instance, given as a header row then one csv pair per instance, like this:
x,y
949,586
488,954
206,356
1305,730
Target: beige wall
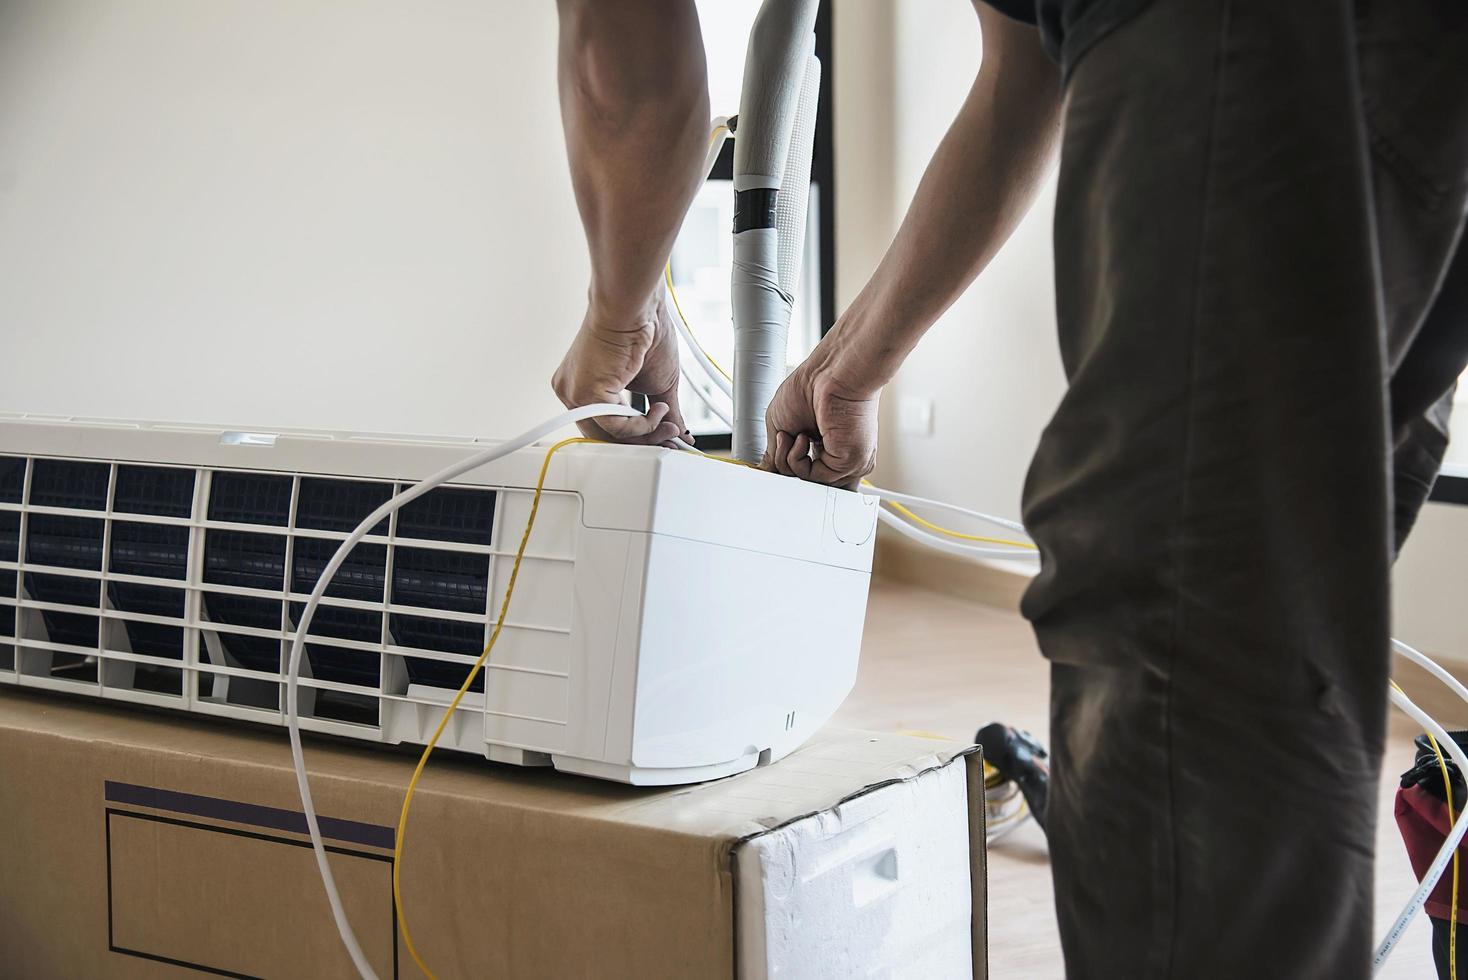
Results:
x,y
1428,601
274,212
864,137
990,367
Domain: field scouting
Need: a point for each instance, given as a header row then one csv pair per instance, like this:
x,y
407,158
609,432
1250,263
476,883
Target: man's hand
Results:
x,y
822,426
640,356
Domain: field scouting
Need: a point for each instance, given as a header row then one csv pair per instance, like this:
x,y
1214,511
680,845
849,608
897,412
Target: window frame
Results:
x,y
1450,489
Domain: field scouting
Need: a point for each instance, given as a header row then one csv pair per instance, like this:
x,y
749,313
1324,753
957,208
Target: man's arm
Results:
x,y
634,106
980,182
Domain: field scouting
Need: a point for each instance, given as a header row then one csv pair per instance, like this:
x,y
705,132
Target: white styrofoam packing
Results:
x,y
877,887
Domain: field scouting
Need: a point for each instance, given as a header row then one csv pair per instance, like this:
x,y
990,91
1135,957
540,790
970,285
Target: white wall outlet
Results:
x,y
915,416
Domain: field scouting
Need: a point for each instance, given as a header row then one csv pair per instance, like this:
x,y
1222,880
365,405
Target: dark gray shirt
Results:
x,y
1069,27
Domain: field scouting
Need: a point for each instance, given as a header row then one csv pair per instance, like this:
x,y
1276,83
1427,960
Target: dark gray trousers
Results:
x,y
1263,305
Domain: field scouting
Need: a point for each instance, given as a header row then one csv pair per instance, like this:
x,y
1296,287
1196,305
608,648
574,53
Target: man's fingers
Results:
x,y
821,473
591,430
670,399
640,429
673,420
781,452
838,472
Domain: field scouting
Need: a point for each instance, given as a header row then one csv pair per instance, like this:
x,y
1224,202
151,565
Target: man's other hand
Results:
x,y
638,354
820,427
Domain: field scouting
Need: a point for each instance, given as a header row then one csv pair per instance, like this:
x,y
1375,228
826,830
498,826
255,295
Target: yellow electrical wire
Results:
x,y
397,853
673,295
953,534
1453,919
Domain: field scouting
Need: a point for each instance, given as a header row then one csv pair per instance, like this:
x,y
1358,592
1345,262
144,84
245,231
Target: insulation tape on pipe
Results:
x,y
762,313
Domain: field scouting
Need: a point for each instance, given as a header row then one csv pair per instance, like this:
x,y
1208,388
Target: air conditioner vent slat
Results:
x,y
440,580
250,498
157,491
64,542
67,483
85,593
244,558
361,577
12,479
450,514
150,550
340,505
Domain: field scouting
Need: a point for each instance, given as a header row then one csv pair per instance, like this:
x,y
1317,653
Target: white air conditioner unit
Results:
x,y
675,619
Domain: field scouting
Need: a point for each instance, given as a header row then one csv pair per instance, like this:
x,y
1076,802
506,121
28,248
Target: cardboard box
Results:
x,y
149,845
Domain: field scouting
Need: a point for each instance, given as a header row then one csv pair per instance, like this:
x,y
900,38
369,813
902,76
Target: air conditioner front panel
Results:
x,y
169,566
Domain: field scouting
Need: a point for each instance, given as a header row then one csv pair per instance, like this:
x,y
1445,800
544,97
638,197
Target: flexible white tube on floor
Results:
x,y
293,669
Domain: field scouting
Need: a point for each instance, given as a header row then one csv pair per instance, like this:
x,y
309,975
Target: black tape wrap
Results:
x,y
754,208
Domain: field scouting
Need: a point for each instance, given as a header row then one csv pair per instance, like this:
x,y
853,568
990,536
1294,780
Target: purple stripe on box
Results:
x,y
269,817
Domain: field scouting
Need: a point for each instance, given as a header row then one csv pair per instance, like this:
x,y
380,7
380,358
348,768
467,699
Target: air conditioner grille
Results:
x,y
65,542
450,514
250,498
361,576
154,490
66,483
340,505
150,550
185,585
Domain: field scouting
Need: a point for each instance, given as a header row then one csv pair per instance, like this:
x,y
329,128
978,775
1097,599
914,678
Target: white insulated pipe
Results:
x,y
772,150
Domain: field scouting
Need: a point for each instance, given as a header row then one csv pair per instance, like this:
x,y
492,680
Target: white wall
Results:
x,y
991,366
285,212
865,141
1428,608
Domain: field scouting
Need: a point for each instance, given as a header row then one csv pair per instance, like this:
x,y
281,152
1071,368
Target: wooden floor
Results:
x,y
934,663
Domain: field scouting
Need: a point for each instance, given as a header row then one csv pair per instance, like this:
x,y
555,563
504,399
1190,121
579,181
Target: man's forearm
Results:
x,y
980,183
634,104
